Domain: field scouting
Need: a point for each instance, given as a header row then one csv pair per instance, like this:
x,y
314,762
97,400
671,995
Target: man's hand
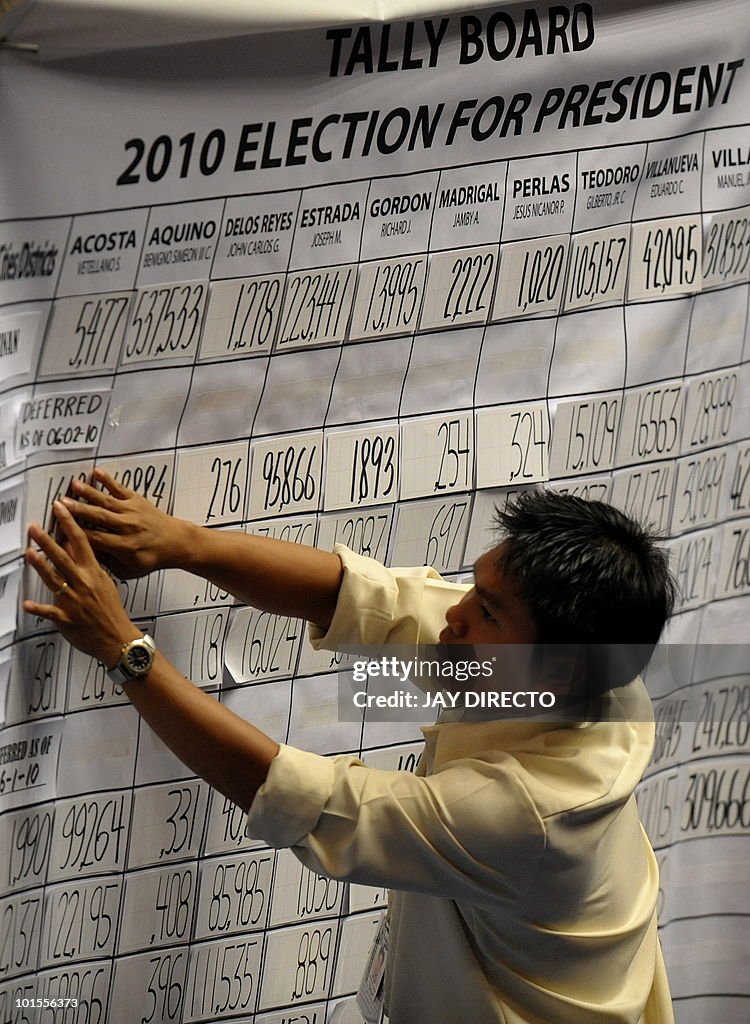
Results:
x,y
129,534
225,750
132,537
86,607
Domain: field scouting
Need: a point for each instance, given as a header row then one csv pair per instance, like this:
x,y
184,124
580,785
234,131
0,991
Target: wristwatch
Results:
x,y
136,659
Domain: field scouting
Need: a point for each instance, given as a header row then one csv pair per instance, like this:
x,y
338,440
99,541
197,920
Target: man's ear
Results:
x,y
563,668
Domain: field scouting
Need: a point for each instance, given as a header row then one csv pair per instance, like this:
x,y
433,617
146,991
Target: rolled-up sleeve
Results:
x,y
377,605
469,831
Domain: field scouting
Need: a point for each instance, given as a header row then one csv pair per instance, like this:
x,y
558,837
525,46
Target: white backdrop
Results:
x,y
331,280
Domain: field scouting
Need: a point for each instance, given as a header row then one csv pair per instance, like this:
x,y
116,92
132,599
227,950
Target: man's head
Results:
x,y
570,572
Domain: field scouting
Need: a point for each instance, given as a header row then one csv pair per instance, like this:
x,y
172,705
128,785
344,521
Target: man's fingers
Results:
x,y
44,570
94,497
77,541
46,611
56,554
117,490
91,513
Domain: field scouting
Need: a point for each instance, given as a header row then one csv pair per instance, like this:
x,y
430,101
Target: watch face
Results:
x,y
139,659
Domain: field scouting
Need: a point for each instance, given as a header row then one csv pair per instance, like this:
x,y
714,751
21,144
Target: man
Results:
x,y
526,888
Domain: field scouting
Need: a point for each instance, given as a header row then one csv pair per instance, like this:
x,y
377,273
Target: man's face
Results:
x,y
492,612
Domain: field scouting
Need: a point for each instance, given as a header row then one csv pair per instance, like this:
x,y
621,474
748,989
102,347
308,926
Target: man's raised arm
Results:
x,y
132,537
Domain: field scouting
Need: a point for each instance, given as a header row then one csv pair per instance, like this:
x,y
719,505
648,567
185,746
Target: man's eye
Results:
x,y
487,616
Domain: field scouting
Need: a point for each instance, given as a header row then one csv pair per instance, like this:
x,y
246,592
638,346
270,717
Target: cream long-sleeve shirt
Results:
x,y
525,887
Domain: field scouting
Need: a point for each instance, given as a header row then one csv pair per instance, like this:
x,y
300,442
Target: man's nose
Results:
x,y
456,620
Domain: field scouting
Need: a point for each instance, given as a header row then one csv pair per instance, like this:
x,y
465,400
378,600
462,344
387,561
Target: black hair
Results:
x,y
589,575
